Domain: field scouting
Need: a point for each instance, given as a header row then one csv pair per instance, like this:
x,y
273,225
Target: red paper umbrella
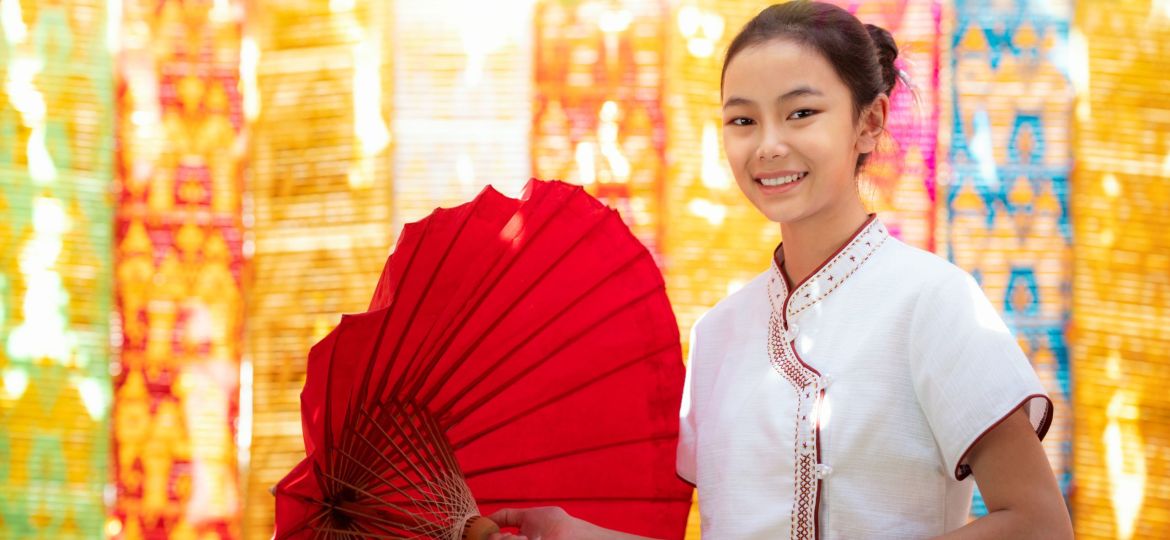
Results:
x,y
516,352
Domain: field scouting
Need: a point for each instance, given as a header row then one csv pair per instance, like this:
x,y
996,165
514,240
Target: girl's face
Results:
x,y
790,133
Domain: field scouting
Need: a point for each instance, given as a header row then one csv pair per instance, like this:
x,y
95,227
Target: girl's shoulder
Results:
x,y
747,301
943,295
918,268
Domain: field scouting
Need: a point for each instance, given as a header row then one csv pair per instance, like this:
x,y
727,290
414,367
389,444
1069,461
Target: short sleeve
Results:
x,y
685,458
969,372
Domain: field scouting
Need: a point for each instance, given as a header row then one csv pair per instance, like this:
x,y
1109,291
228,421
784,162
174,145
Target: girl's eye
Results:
x,y
802,113
740,121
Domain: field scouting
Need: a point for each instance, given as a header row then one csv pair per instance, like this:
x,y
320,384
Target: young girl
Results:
x,y
854,388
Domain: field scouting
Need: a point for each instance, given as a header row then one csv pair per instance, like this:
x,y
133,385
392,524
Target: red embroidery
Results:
x,y
871,237
803,378
804,509
807,382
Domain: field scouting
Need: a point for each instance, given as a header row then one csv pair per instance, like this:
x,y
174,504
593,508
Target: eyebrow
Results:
x,y
795,92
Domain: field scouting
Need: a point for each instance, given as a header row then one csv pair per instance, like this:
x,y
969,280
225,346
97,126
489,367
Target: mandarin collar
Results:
x,y
830,275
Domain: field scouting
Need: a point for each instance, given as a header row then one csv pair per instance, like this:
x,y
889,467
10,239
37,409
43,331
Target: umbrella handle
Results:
x,y
479,528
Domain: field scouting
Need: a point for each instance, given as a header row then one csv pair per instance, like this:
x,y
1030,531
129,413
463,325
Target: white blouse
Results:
x,y
845,408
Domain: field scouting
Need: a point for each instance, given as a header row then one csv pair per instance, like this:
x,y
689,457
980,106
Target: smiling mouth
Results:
x,y
781,180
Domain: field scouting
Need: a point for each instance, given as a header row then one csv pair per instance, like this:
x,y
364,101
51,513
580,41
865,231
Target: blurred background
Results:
x,y
194,190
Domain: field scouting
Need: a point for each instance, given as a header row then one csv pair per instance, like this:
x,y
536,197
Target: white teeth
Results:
x,y
782,180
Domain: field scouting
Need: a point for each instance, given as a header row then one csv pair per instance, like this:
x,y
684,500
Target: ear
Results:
x,y
871,124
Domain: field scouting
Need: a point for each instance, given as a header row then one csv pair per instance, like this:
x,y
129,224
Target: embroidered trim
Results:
x,y
830,276
809,393
805,381
804,522
782,358
809,384
963,470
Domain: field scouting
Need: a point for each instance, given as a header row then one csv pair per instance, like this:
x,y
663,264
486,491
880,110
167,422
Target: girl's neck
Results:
x,y
811,241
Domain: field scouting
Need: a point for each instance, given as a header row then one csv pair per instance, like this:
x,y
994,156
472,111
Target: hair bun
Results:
x,y
887,51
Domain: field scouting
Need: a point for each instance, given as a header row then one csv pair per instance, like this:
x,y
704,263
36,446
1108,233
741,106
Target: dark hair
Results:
x,y
862,55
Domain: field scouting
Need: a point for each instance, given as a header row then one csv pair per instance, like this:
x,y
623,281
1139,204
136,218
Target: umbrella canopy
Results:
x,y
516,353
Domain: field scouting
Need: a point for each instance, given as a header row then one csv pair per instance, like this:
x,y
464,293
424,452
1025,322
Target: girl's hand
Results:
x,y
542,523
550,523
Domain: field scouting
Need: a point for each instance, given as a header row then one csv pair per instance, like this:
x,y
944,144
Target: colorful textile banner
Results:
x,y
179,271
1121,288
316,77
463,88
56,167
1005,195
597,114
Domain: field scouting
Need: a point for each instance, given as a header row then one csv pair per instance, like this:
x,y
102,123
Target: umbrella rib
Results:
x,y
393,442
322,514
519,344
368,424
327,444
409,374
388,483
414,435
352,533
361,396
372,517
531,500
491,394
557,397
446,452
569,453
347,442
431,509
430,282
445,340
372,496
304,524
423,454
426,453
548,322
354,455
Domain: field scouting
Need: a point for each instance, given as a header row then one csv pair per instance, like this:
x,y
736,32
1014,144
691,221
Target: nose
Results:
x,y
772,145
